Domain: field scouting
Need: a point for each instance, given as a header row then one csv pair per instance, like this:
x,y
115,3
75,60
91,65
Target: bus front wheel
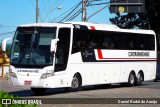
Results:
x,y
75,84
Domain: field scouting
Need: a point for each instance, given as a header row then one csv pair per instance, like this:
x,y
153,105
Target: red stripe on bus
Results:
x,y
100,56
93,28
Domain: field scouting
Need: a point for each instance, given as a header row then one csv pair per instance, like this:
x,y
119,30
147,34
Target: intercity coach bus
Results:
x,y
76,54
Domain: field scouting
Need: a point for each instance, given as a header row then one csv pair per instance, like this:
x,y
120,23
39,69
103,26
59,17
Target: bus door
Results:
x,y
62,52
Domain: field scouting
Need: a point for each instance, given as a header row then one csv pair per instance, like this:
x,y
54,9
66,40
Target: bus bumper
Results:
x,y
33,81
30,82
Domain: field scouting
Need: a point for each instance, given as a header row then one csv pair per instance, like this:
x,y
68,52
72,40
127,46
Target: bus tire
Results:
x,y
139,79
155,80
38,90
131,79
76,83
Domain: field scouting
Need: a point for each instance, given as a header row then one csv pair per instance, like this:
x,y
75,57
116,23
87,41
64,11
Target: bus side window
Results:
x,y
105,45
141,43
79,40
111,45
81,43
108,43
92,43
141,46
131,46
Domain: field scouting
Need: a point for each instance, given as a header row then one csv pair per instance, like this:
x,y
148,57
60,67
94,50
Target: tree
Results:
x,y
147,20
8,50
130,21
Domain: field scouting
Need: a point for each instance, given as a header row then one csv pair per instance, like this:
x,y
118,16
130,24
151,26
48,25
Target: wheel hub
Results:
x,y
75,83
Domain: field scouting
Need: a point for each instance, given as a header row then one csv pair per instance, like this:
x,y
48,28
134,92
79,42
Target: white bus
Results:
x,y
76,54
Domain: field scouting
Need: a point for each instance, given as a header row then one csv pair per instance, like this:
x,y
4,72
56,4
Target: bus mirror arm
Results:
x,y
53,45
4,43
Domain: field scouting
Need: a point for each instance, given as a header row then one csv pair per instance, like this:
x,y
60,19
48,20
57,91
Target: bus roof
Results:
x,y
45,25
113,28
91,26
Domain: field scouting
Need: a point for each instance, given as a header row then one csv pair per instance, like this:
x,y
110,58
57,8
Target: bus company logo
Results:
x,y
6,101
86,53
139,54
28,71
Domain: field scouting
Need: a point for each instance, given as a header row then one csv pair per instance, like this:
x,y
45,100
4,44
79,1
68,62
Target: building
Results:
x,y
4,64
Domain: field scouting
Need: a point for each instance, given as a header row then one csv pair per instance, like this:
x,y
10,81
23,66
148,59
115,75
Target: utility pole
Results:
x,y
84,4
37,11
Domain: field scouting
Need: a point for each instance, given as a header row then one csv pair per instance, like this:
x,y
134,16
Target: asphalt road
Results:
x,y
148,89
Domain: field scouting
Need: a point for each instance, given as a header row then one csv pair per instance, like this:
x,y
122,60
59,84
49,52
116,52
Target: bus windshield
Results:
x,y
31,47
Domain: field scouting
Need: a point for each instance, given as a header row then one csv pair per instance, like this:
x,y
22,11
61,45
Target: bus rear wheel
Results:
x,y
131,79
155,80
38,90
139,79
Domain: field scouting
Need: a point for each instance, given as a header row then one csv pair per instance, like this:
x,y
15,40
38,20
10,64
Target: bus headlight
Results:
x,y
45,75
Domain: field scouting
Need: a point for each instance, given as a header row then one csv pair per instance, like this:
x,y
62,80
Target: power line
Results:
x,y
7,33
85,3
51,10
47,9
43,5
82,10
48,14
97,12
69,10
7,26
32,4
108,4
75,15
98,4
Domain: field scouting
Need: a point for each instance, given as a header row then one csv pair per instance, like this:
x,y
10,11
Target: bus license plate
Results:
x,y
27,82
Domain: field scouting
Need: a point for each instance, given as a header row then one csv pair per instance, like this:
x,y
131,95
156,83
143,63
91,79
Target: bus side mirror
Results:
x,y
4,43
53,44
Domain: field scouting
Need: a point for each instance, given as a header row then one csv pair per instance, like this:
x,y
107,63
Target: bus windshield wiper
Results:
x,y
31,50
